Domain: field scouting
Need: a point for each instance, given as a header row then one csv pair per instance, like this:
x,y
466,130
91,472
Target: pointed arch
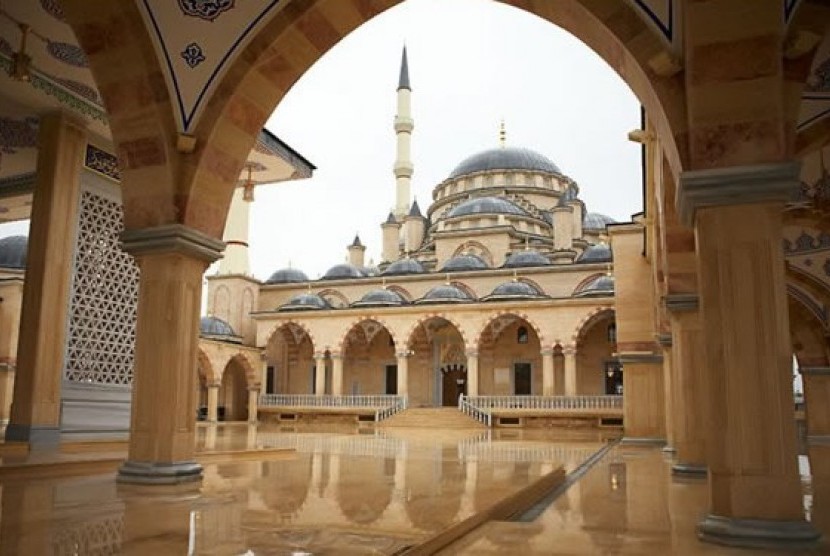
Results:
x,y
585,281
204,368
335,298
341,343
476,248
596,314
279,325
430,316
543,341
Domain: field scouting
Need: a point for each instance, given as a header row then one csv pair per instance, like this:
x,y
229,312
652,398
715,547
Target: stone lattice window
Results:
x,y
104,298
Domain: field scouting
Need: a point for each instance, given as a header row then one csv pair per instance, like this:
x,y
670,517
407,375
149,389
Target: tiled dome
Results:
x,y
403,266
305,302
287,276
596,221
598,287
445,293
343,271
504,158
461,263
380,298
526,258
486,205
599,253
214,326
514,290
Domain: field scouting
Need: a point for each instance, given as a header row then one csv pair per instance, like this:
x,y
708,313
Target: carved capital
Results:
x,y
172,238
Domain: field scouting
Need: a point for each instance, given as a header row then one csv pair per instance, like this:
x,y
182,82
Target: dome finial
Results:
x,y
515,275
449,283
502,135
527,243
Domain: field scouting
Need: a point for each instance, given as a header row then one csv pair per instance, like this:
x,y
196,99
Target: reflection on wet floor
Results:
x,y
344,491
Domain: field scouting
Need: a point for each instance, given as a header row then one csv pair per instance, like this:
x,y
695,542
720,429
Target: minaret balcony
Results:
x,y
404,125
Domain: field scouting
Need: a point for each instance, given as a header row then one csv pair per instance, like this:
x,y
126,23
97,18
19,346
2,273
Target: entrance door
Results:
x,y
391,379
521,379
454,383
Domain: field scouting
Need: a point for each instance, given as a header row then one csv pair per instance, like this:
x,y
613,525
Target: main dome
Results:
x,y
505,158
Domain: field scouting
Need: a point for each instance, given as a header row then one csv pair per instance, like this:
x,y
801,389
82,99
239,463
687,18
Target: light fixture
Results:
x,y
21,62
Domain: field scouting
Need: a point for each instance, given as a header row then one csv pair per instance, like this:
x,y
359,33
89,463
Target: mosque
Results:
x,y
131,137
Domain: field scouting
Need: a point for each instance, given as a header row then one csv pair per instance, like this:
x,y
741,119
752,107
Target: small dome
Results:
x,y
445,293
596,221
343,271
460,263
486,205
380,298
514,290
505,158
599,286
13,252
305,302
287,276
369,270
599,253
214,326
525,258
404,266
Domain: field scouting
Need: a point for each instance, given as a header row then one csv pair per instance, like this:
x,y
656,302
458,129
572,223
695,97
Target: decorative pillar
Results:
x,y
212,403
570,370
816,382
472,372
337,374
547,372
754,486
253,404
172,259
319,374
263,379
665,341
35,411
689,385
403,373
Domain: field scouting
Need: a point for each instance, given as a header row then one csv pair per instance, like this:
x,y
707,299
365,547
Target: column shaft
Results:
x,y
403,374
253,404
320,375
472,373
212,402
570,370
547,373
337,374
817,400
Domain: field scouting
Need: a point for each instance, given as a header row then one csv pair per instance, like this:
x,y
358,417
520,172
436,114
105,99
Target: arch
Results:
x,y
252,378
533,283
465,288
233,390
288,323
598,313
518,314
403,292
341,343
222,303
428,317
476,248
330,294
204,368
585,281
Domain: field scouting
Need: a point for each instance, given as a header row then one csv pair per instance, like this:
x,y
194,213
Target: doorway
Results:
x,y
453,384
391,380
521,379
613,378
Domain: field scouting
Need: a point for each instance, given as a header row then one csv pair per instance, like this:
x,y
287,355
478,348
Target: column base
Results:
x,y
757,533
642,441
38,437
690,470
149,473
669,449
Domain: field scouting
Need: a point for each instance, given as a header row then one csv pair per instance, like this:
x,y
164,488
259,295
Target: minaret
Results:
x,y
235,260
357,253
403,129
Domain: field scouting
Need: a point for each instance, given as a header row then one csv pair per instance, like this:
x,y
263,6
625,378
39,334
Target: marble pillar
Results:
x,y
35,410
172,259
253,404
212,403
570,370
644,419
319,374
472,372
403,373
336,374
755,491
548,386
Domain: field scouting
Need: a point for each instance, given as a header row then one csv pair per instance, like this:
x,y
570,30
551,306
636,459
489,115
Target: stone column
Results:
x,y
35,411
570,370
689,385
644,419
212,403
172,259
472,372
665,341
547,372
403,373
319,374
253,404
755,491
817,401
263,379
337,374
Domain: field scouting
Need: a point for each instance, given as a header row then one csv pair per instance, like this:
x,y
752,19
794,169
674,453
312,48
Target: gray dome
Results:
x,y
380,298
369,270
514,290
525,258
445,293
287,276
599,286
596,221
505,158
599,253
343,271
461,263
13,252
305,302
486,205
404,266
214,326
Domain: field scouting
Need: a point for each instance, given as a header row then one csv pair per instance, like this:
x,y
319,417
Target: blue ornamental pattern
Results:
x,y
68,54
52,8
17,134
85,91
205,9
102,162
193,55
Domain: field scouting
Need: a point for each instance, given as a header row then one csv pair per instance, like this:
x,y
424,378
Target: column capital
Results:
x,y
735,185
403,354
172,238
677,302
546,351
319,355
336,355
471,352
568,350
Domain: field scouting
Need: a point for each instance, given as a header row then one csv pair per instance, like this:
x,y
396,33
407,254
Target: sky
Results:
x,y
472,64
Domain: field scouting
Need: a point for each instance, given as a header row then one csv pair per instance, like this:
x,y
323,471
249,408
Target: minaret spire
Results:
x,y
403,130
502,135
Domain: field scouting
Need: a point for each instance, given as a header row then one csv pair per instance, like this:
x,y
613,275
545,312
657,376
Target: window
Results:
x,y
612,333
521,335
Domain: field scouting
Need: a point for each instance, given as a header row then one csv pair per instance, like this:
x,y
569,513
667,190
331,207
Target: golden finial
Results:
x,y
448,279
502,135
527,243
515,276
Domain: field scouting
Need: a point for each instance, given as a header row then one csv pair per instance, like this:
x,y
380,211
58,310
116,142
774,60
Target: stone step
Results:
x,y
432,418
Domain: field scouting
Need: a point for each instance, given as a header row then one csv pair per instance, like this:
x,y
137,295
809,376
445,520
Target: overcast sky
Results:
x,y
472,63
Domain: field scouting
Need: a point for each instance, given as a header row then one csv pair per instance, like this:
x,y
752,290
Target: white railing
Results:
x,y
477,413
545,403
386,412
311,400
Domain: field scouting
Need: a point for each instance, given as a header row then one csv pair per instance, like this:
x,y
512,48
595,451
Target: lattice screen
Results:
x,y
101,335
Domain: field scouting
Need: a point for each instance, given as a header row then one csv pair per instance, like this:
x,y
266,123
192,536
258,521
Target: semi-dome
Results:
x,y
461,263
380,298
598,287
505,158
404,266
445,293
486,205
596,221
13,251
214,326
287,276
526,258
599,253
305,302
343,271
514,290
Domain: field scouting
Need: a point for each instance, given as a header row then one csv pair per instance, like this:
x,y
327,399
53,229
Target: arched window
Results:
x,y
521,335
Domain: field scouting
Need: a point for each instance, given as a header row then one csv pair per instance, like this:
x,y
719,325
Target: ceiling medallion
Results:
x,y
205,9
